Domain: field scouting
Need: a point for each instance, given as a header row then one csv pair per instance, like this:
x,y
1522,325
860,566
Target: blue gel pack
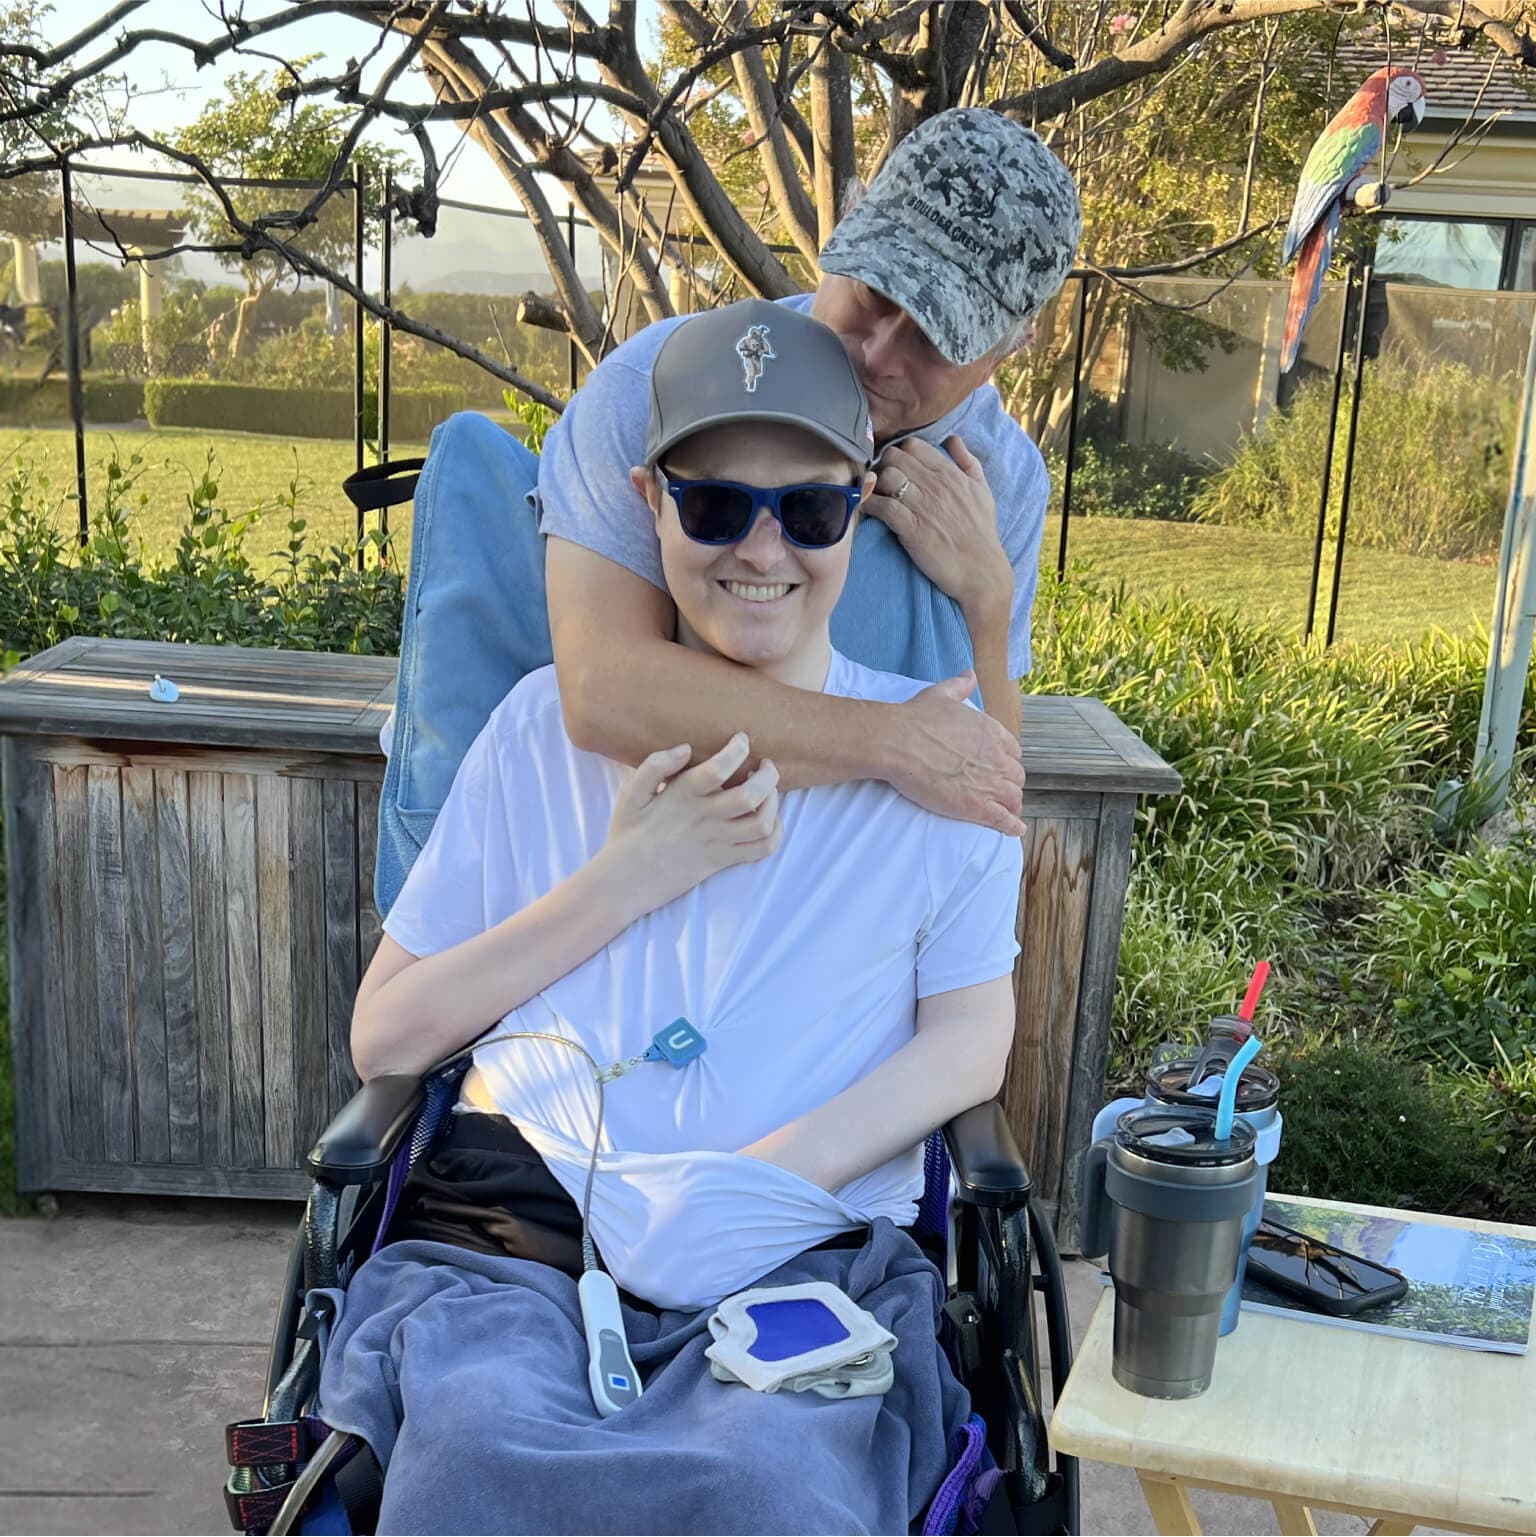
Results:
x,y
677,1045
786,1329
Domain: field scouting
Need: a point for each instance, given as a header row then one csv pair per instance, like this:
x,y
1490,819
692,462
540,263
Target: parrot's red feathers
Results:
x,y
1307,284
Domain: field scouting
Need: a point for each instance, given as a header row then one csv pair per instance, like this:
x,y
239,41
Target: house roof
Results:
x,y
1451,87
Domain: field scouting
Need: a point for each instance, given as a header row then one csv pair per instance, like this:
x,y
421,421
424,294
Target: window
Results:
x,y
1445,253
1522,277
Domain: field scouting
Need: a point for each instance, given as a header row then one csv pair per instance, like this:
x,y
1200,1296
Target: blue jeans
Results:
x,y
476,621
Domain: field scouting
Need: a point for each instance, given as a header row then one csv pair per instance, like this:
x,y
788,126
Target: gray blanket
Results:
x,y
466,1374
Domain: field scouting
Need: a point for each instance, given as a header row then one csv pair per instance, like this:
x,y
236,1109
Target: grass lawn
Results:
x,y
252,469
1383,596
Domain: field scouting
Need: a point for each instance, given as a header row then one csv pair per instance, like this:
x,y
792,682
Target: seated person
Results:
x,y
845,956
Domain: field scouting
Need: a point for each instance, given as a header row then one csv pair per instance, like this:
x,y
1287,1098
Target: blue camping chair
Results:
x,y
475,546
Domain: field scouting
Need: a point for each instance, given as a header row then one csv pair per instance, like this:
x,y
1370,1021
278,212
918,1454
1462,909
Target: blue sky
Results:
x,y
168,90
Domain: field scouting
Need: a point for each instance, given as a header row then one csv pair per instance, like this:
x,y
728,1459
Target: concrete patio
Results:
x,y
132,1329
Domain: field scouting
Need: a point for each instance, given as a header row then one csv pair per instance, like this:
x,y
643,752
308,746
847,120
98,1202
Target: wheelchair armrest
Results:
x,y
985,1158
356,1148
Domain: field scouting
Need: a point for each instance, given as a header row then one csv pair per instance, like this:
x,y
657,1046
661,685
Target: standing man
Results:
x,y
930,282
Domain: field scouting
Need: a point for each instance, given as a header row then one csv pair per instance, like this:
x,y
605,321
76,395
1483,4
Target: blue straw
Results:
x,y
1226,1106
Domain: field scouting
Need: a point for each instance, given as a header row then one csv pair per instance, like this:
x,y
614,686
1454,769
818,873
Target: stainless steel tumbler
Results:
x,y
1165,1199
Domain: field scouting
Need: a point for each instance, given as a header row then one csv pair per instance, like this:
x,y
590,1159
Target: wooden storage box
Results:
x,y
191,905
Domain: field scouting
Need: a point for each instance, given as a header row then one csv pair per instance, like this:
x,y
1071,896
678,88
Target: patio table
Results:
x,y
1309,1415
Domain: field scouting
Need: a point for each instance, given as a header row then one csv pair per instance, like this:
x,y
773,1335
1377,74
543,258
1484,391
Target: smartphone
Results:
x,y
1326,1278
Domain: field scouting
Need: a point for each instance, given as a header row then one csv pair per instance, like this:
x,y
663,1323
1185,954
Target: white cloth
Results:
x,y
855,1364
802,971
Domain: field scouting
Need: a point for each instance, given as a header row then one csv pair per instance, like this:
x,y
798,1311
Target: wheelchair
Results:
x,y
977,1221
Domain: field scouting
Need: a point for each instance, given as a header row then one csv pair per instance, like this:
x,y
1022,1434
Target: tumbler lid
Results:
x,y
1258,1088
1184,1138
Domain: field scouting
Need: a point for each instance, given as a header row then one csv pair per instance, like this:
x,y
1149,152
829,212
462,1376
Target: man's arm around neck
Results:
x,y
628,688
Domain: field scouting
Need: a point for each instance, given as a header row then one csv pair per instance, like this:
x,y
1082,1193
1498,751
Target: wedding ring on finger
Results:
x,y
901,491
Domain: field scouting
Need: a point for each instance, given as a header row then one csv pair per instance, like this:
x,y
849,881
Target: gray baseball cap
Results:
x,y
971,226
755,361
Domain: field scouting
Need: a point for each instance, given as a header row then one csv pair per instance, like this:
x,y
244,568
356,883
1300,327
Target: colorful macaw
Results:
x,y
1338,169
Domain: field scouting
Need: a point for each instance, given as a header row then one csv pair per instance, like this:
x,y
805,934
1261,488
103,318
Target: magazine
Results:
x,y
1470,1289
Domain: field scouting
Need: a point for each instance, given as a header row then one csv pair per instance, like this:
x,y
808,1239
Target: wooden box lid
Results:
x,y
1071,743
242,696
236,696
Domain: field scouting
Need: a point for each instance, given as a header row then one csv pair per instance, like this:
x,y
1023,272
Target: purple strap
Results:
x,y
933,1209
944,1512
979,1498
439,1103
399,1169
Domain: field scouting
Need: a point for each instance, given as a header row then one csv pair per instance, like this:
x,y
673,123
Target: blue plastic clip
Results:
x,y
677,1045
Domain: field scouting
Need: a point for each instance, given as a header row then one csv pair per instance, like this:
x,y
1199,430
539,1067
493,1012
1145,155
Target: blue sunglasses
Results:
x,y
814,517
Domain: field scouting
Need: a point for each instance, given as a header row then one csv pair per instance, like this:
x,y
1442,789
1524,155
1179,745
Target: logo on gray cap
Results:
x,y
754,349
971,226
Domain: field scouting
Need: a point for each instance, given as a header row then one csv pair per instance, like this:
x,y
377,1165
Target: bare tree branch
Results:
x,y
1184,263
771,140
1271,30
1198,19
832,128
459,72
662,107
1035,34
700,189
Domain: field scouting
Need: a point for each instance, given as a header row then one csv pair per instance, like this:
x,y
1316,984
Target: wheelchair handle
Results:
x,y
1094,1208
383,485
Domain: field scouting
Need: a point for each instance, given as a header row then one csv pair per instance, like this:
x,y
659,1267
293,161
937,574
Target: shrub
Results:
x,y
1195,919
1502,1102
206,591
1123,480
289,412
1431,472
1313,776
1455,947
1115,479
1362,1125
1437,681
106,400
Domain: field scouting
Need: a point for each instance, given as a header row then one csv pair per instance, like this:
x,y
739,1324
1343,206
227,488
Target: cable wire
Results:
x,y
600,1076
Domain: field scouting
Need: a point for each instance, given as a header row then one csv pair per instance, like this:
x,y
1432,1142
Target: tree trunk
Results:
x,y
832,132
244,310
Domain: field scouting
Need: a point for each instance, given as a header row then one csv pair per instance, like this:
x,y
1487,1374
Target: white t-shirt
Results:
x,y
802,971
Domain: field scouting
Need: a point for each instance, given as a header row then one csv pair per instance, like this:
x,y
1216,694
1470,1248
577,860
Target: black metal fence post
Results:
x,y
571,359
384,330
1077,384
359,384
1349,453
1333,422
72,348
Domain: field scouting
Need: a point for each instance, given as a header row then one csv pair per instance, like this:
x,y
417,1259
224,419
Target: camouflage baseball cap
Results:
x,y
755,361
971,226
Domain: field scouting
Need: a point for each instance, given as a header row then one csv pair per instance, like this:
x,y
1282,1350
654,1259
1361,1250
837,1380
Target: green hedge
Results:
x,y
320,413
106,400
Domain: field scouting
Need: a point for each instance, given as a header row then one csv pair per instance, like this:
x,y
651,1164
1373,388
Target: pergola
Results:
x,y
136,232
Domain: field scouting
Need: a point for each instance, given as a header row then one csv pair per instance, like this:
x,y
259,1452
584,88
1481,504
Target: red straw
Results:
x,y
1255,987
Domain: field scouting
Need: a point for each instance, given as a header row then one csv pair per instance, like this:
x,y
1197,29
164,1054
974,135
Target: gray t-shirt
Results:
x,y
586,495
